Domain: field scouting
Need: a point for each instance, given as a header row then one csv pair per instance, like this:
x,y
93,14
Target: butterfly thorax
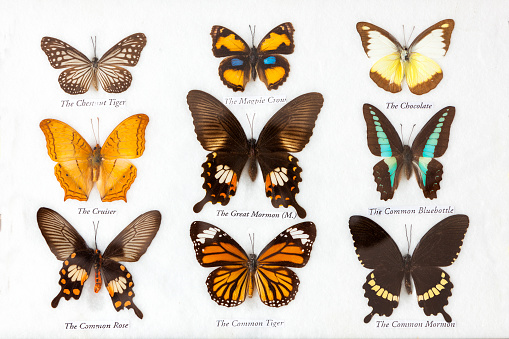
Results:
x,y
408,282
407,161
253,59
405,55
98,258
95,67
252,267
253,168
95,162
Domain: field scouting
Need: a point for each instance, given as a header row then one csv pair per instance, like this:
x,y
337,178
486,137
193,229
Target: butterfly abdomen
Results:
x,y
253,59
408,280
407,161
97,268
253,153
252,268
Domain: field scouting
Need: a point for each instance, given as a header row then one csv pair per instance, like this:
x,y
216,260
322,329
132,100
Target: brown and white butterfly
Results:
x,y
80,72
415,63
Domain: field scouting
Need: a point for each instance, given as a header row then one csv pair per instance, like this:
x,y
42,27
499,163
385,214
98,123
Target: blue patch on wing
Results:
x,y
423,166
237,62
269,60
429,149
392,163
383,141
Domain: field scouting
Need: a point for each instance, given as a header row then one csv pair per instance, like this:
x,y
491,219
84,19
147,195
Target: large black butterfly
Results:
x,y
68,245
241,62
239,274
376,250
220,132
430,143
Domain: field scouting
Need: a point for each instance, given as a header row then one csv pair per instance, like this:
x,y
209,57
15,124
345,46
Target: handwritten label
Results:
x,y
255,214
410,324
92,103
250,323
258,100
83,210
96,325
411,210
408,105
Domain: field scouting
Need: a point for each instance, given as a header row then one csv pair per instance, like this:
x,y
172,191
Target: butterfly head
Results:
x,y
94,59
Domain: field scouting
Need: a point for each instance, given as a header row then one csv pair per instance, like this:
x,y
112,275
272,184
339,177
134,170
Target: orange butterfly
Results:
x,y
239,274
79,166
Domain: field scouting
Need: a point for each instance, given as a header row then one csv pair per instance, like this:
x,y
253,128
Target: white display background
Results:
x,y
337,179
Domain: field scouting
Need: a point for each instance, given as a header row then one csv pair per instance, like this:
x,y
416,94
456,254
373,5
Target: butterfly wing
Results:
x,y
113,77
440,246
235,70
383,141
126,141
218,131
76,79
227,285
67,245
273,69
288,130
72,154
422,73
377,251
380,45
277,284
430,143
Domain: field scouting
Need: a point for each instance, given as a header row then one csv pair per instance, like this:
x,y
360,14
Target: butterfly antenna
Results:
x,y
410,136
251,124
408,238
94,43
93,130
96,227
253,30
251,237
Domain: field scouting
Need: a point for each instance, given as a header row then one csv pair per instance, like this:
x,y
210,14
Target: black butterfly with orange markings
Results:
x,y
239,273
220,132
376,250
68,245
81,72
242,62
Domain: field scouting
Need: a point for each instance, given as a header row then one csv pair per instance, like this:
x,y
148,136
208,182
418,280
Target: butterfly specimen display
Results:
x,y
220,132
430,143
68,245
79,166
80,72
415,63
376,250
242,62
239,273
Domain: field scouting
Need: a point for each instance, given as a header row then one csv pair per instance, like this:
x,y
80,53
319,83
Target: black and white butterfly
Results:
x,y
220,132
80,72
430,143
376,250
68,245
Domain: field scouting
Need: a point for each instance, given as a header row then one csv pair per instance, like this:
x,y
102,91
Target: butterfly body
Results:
x,y
239,274
220,132
243,62
430,143
78,258
79,166
82,72
415,63
376,250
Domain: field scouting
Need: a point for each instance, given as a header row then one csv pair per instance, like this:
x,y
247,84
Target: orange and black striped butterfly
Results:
x,y
220,132
376,250
242,62
68,245
81,72
239,273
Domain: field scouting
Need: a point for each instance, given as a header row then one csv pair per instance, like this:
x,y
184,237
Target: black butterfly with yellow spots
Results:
x,y
68,245
220,132
239,274
376,250
241,62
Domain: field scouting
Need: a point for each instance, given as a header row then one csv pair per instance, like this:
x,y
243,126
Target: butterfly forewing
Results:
x,y
383,140
433,139
434,41
62,55
130,244
126,52
61,237
290,128
127,140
